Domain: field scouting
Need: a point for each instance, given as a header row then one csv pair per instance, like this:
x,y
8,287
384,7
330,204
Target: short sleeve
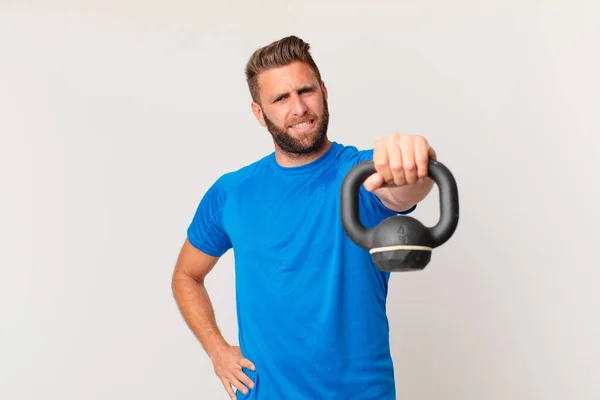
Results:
x,y
206,231
372,205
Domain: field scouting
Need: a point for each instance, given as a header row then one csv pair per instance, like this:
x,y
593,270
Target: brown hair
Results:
x,y
277,54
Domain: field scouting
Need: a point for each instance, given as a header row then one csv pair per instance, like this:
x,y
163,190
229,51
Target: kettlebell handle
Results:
x,y
439,233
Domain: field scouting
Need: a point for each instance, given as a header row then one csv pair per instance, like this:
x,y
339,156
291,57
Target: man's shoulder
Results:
x,y
233,178
349,155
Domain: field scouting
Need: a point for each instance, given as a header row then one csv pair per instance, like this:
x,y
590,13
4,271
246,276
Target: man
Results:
x,y
311,305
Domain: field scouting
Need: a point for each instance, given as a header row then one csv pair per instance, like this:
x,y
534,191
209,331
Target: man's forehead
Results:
x,y
290,77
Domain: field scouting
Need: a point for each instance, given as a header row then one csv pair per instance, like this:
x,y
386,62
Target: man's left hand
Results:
x,y
399,160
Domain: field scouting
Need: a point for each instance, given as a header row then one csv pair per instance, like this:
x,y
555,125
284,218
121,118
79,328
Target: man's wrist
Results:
x,y
216,344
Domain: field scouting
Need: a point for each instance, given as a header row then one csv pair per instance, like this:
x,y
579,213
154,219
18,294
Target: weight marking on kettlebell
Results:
x,y
401,231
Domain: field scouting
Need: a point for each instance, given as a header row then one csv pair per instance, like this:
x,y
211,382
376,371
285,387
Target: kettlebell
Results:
x,y
400,242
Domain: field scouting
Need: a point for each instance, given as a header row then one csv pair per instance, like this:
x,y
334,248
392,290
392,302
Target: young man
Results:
x,y
311,305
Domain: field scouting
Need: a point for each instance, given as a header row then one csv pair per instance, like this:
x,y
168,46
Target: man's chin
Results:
x,y
304,139
302,144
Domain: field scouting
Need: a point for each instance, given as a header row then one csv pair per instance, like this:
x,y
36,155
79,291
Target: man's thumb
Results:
x,y
373,182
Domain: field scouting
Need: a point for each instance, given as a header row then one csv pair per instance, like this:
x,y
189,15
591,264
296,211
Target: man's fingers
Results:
x,y
408,161
239,385
228,388
422,158
396,163
380,160
243,378
244,362
229,368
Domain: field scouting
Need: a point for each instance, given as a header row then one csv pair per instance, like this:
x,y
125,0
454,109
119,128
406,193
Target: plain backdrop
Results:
x,y
116,116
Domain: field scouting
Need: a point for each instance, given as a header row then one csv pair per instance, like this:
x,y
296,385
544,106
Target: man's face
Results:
x,y
294,108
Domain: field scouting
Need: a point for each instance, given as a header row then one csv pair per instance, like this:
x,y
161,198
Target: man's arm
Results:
x,y
192,297
194,304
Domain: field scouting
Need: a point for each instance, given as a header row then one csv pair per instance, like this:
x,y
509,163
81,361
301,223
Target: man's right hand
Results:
x,y
228,362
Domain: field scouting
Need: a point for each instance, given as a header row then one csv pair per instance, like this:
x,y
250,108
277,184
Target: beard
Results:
x,y
305,143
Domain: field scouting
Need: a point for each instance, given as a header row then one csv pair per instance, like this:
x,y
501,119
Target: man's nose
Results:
x,y
298,105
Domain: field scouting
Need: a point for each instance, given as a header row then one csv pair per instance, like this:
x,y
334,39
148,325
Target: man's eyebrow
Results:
x,y
301,88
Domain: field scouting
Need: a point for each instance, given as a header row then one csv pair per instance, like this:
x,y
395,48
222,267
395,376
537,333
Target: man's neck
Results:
x,y
286,159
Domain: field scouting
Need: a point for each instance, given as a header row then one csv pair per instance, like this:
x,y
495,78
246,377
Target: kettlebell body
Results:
x,y
400,242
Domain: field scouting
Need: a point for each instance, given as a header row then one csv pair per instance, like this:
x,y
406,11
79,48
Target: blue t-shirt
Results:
x,y
311,304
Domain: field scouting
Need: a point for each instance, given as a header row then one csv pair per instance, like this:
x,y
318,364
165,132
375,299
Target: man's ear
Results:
x,y
324,89
257,111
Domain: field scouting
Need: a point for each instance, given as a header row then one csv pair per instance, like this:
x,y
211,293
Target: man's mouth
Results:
x,y
304,126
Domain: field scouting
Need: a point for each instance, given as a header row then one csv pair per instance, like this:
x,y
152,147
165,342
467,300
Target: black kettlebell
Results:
x,y
400,242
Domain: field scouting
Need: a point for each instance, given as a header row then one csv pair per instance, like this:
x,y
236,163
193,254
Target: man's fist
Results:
x,y
399,160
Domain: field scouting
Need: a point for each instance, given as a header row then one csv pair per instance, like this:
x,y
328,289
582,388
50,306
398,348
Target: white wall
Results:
x,y
115,117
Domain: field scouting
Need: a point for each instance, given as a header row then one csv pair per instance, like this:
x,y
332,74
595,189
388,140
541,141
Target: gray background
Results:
x,y
117,115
